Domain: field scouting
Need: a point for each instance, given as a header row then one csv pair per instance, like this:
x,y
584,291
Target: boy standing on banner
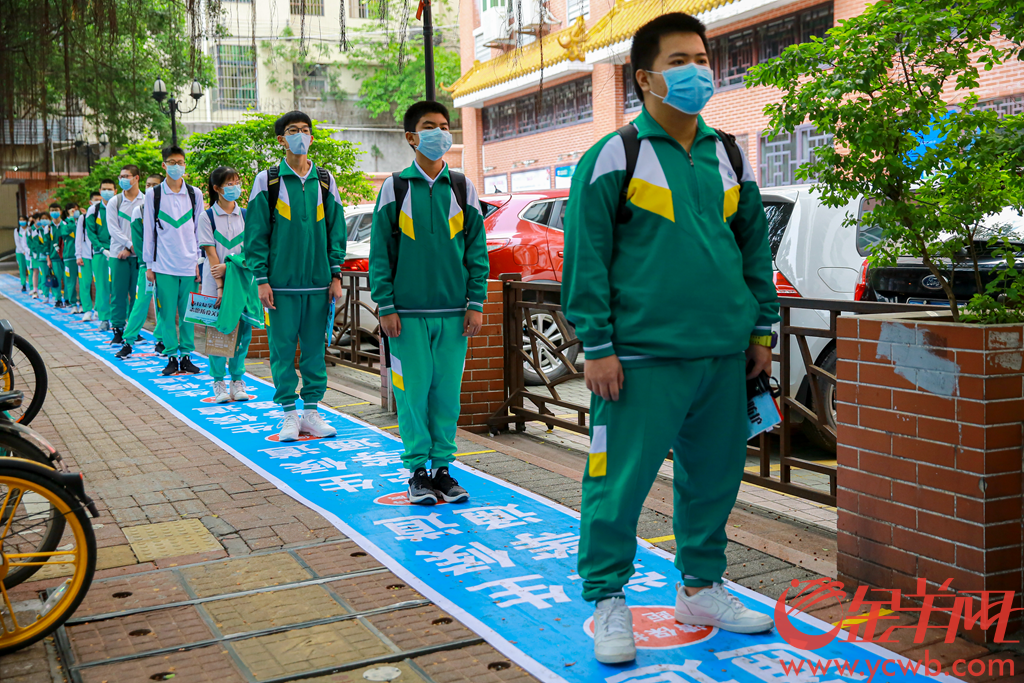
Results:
x,y
428,274
143,295
667,368
171,254
21,252
221,233
43,238
295,237
123,262
54,260
70,264
83,250
99,237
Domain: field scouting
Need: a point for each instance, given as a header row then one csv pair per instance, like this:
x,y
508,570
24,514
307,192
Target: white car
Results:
x,y
815,257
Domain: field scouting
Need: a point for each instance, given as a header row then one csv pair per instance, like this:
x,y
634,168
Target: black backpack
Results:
x,y
274,189
401,188
156,212
631,142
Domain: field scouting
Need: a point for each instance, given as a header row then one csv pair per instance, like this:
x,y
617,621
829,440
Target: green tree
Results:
x,y
250,146
145,155
876,83
390,68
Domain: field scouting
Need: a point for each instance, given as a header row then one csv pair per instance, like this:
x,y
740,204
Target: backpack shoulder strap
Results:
x,y
401,187
324,176
273,191
156,205
192,198
459,188
243,215
209,214
733,150
631,143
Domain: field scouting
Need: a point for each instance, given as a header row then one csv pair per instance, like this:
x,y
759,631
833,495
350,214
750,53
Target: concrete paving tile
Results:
x,y
137,633
474,664
272,609
204,665
406,674
231,576
146,589
373,591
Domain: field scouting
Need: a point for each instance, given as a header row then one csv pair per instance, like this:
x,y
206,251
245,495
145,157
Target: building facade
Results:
x,y
581,67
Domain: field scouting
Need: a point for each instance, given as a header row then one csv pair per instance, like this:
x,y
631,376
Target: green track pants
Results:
x,y
298,321
123,278
101,276
22,268
41,271
172,295
85,283
427,361
698,409
236,364
140,309
71,280
57,268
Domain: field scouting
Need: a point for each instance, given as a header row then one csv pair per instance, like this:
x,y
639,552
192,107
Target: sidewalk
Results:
x,y
209,573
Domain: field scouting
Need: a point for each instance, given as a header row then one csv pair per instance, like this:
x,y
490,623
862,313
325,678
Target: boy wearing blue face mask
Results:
x,y
99,237
83,252
295,237
54,260
428,274
21,252
122,260
667,369
143,294
69,256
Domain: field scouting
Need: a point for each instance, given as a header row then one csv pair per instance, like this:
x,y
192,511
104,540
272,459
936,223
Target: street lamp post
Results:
x,y
424,13
174,107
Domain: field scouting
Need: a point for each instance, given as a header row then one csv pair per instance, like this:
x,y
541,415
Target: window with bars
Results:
x,y
732,55
236,77
560,105
781,156
307,7
632,98
577,8
1011,105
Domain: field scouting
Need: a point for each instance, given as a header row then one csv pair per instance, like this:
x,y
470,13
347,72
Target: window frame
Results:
x,y
224,62
517,117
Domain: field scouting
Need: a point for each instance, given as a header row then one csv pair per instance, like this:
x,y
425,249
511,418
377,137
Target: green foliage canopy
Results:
x,y
145,155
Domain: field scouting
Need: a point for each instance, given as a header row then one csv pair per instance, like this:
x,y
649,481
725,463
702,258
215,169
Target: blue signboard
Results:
x,y
504,563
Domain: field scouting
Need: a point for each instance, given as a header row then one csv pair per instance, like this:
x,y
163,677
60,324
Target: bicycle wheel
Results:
x,y
44,528
25,622
29,377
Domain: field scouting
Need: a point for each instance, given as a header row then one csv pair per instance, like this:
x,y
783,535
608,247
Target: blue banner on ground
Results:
x,y
504,563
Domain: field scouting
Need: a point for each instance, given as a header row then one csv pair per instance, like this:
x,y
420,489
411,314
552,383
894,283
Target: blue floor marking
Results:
x,y
504,564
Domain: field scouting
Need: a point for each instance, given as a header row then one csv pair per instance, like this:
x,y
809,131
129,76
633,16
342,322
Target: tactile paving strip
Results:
x,y
170,539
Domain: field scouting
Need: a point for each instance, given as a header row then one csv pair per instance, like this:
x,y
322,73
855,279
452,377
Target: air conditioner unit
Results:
x,y
495,24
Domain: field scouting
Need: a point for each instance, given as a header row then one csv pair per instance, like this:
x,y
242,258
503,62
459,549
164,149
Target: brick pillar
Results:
x,y
258,347
930,455
483,383
609,100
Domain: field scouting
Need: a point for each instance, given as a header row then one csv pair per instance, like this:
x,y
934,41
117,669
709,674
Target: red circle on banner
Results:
x,y
399,498
655,628
276,438
209,399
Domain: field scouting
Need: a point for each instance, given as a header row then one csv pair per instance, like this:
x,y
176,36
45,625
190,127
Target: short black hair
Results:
x,y
107,181
290,118
94,193
647,41
218,177
131,168
170,151
417,111
70,205
53,204
155,175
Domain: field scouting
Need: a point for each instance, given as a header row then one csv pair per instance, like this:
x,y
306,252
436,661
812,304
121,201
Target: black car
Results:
x,y
910,281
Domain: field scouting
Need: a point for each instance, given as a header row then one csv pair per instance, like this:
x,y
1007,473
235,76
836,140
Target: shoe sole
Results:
x,y
462,498
286,439
731,628
426,499
227,400
615,658
244,398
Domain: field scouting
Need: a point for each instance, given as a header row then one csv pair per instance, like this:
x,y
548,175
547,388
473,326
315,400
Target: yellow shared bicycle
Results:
x,y
46,538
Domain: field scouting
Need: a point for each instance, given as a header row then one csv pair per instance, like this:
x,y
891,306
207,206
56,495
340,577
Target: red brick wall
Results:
x,y
930,474
483,383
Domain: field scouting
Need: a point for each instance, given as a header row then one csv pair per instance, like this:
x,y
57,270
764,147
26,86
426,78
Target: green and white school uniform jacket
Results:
x,y
169,244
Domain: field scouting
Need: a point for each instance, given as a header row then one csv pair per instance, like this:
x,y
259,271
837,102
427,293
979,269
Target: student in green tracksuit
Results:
x,y
296,252
54,260
667,365
68,256
143,288
428,274
33,240
41,257
21,252
83,252
99,237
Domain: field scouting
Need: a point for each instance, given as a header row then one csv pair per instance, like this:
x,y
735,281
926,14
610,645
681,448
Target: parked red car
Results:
x,y
524,235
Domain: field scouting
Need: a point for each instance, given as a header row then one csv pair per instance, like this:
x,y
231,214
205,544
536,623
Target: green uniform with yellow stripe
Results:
x,y
298,256
630,291
430,274
67,233
99,236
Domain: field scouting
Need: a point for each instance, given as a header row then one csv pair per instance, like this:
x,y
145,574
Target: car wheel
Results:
x,y
545,323
827,391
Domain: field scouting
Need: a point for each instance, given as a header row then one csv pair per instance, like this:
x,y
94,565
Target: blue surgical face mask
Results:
x,y
175,171
689,87
298,143
55,215
22,223
434,143
75,213
43,222
107,195
125,183
231,192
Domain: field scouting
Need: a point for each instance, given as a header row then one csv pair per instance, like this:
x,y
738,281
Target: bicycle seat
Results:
x,y
9,400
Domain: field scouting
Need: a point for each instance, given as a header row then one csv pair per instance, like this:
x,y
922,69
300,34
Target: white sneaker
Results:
x,y
613,632
290,427
718,607
104,326
220,392
239,392
313,423
87,317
